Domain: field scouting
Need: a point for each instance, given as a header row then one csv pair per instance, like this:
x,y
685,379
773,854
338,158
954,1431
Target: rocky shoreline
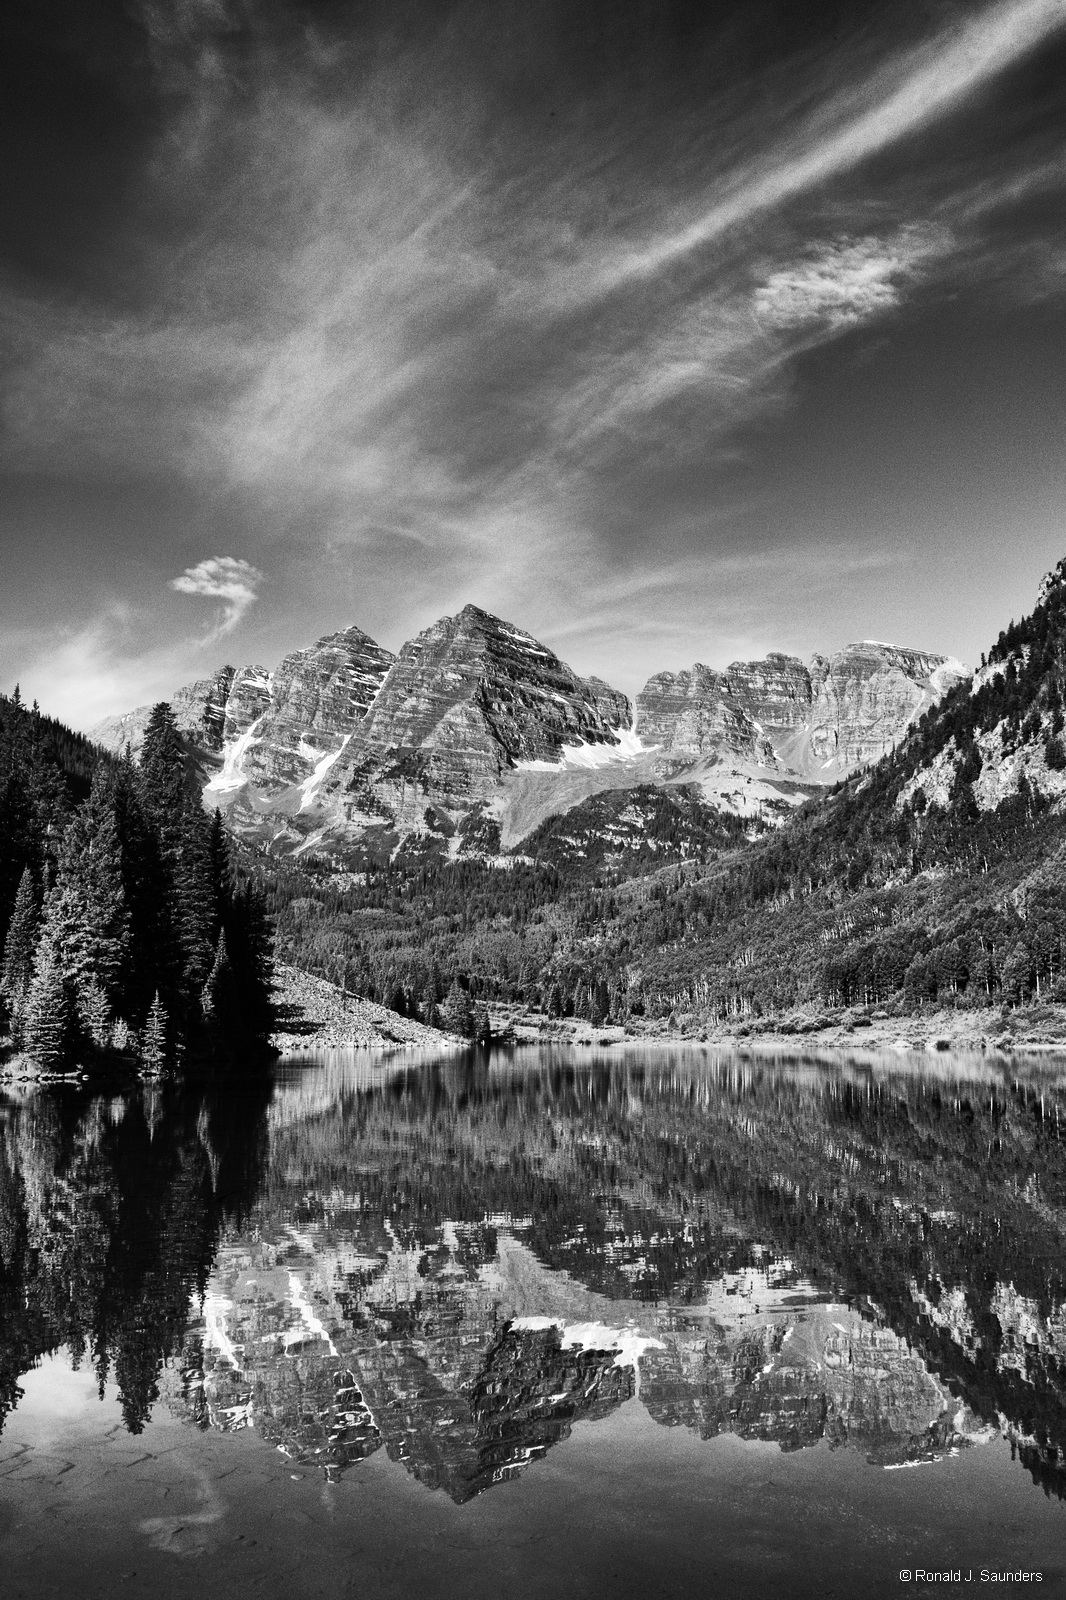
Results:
x,y
316,1015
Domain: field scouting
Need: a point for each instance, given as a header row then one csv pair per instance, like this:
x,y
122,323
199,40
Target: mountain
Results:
x,y
819,722
272,731
467,702
476,734
936,875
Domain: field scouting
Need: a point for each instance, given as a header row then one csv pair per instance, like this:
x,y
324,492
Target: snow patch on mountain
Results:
x,y
626,746
233,753
310,785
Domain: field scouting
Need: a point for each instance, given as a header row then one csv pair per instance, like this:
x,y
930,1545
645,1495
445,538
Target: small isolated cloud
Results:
x,y
223,578
844,282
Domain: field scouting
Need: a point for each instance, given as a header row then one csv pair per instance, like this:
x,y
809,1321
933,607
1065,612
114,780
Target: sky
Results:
x,y
667,331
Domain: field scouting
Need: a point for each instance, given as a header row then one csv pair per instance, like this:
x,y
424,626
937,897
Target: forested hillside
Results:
x,y
936,876
124,929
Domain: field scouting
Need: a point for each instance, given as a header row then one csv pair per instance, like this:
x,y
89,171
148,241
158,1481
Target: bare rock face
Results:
x,y
316,699
864,698
248,700
477,732
820,721
693,714
464,702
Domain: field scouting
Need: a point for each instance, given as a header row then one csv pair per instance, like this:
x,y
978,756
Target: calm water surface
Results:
x,y
670,1322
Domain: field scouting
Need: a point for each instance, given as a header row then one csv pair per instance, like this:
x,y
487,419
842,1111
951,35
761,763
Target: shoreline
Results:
x,y
332,1019
1036,1029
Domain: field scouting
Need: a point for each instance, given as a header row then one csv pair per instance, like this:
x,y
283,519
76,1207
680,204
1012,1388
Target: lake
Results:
x,y
590,1322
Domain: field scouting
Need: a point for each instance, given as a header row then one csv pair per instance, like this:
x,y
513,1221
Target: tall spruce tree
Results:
x,y
50,1032
153,957
171,802
154,1037
19,946
85,920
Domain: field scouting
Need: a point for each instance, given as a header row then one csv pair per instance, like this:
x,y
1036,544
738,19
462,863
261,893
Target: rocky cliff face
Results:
x,y
818,722
477,732
864,698
694,714
250,728
313,703
464,703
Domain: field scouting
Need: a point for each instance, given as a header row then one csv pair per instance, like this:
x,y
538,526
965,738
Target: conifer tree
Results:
x,y
220,1001
457,1014
49,1032
482,1026
95,1010
173,808
154,1037
153,958
162,770
17,972
85,921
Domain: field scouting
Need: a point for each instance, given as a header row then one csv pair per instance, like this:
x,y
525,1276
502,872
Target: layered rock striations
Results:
x,y
463,704
866,695
250,728
477,732
315,700
818,722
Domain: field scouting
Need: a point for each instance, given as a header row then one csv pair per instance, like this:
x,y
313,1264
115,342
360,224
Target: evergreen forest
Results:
x,y
127,931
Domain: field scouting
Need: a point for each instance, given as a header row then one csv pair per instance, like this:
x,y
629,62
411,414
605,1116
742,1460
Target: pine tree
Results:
x,y
172,807
220,1001
50,1031
482,1026
95,1010
17,972
163,780
153,957
154,1037
85,921
457,1014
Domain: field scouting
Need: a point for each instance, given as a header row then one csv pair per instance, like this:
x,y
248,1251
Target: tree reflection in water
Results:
x,y
457,1260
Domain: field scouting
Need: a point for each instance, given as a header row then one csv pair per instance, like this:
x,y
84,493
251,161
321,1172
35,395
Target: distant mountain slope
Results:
x,y
819,722
476,734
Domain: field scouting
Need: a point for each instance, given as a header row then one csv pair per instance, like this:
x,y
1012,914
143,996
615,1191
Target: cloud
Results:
x,y
102,666
391,315
903,98
846,281
223,578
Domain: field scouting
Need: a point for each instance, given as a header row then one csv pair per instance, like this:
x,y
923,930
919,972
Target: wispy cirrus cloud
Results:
x,y
226,578
905,96
473,342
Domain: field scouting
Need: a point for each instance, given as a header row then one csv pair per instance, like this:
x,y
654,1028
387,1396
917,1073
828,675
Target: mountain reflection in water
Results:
x,y
455,1261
